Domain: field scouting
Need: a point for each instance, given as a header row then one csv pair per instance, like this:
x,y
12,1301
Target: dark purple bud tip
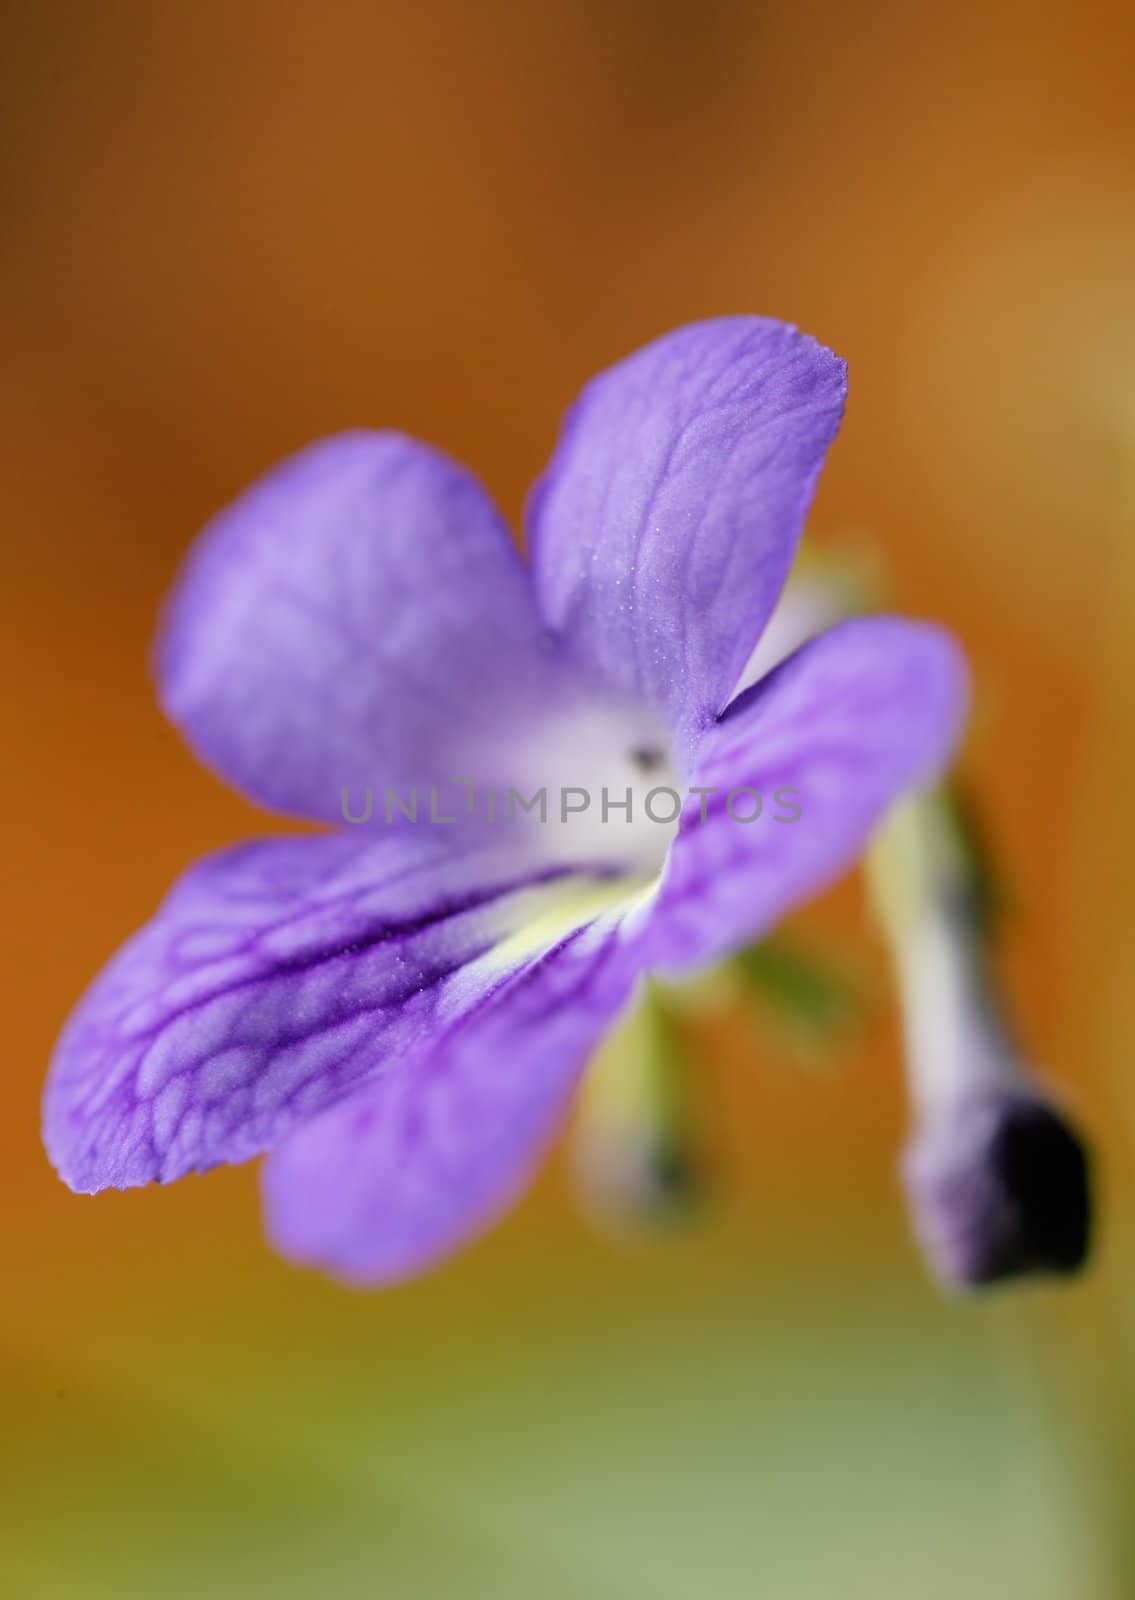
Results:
x,y
999,1188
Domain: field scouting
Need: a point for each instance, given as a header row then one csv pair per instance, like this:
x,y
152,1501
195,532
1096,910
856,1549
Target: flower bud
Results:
x,y
636,1156
998,1188
996,1178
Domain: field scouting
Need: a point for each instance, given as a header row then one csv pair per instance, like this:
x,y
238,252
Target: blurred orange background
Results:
x,y
229,229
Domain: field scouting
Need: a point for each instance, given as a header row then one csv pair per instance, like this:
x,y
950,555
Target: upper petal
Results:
x,y
360,616
828,741
274,978
415,1163
665,526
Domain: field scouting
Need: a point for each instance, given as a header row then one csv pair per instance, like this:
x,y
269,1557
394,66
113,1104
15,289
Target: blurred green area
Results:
x,y
653,1432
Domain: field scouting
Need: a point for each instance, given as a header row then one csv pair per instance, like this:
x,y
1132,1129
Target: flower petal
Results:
x,y
275,978
414,1164
858,715
665,526
358,617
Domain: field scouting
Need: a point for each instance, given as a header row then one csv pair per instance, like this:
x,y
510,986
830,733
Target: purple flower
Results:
x,y
400,1013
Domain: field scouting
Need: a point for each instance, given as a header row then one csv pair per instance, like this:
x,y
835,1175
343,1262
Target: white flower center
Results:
x,y
601,790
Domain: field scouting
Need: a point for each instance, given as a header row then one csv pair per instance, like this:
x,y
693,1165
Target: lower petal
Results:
x,y
274,979
417,1162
